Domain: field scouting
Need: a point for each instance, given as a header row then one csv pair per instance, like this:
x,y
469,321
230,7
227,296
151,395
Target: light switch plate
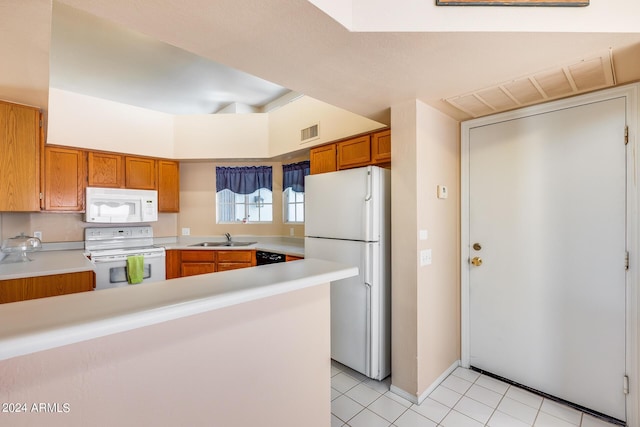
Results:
x,y
425,257
424,234
186,231
443,192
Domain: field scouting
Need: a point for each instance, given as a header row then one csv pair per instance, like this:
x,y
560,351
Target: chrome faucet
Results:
x,y
228,236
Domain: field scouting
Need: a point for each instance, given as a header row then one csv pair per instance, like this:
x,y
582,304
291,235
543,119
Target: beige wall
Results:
x,y
198,202
24,49
425,299
253,364
223,136
286,122
68,227
89,122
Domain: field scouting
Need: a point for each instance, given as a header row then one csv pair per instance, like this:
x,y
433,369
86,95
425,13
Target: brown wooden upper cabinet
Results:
x,y
168,186
381,147
323,159
67,169
105,170
363,150
21,147
115,170
65,179
140,173
354,152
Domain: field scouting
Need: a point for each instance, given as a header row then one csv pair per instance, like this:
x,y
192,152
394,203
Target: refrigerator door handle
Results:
x,y
366,267
367,208
368,332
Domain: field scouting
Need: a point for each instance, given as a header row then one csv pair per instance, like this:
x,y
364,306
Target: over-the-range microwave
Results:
x,y
119,205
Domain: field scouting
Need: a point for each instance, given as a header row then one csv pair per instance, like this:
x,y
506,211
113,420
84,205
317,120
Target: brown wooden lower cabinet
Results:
x,y
197,262
182,263
195,268
14,290
231,260
172,264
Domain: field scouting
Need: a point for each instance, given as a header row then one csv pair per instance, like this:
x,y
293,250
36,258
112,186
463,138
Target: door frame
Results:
x,y
630,93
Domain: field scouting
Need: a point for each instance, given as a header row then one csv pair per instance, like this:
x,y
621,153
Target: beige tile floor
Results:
x,y
464,399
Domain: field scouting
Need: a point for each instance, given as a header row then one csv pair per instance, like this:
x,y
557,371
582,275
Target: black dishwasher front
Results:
x,y
263,257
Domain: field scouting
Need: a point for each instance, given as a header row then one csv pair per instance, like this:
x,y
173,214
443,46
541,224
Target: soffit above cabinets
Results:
x,y
571,79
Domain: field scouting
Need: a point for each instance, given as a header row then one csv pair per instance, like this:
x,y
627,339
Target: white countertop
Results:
x,y
40,324
46,263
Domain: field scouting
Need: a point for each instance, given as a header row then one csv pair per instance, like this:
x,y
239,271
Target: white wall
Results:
x,y
88,122
83,121
286,122
225,136
418,15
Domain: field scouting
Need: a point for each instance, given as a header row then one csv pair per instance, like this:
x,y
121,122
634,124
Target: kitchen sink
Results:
x,y
205,244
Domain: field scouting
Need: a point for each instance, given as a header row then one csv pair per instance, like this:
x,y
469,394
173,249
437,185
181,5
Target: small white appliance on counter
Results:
x,y
120,205
109,248
347,220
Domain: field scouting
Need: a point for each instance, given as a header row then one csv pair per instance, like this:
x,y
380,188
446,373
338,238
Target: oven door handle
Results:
x,y
124,258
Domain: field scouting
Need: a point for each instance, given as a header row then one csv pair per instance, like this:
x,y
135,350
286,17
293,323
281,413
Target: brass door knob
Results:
x,y
477,261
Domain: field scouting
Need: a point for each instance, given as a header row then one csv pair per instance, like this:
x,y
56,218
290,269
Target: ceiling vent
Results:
x,y
309,134
586,75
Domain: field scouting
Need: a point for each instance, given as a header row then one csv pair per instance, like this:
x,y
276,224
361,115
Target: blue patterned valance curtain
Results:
x,y
293,175
243,179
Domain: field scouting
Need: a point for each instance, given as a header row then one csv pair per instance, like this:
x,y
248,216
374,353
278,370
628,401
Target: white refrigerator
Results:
x,y
347,220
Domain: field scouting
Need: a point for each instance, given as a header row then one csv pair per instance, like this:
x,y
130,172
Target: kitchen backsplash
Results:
x,y
67,227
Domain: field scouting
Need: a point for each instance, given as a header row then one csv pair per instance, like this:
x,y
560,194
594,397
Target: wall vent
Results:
x,y
309,134
571,79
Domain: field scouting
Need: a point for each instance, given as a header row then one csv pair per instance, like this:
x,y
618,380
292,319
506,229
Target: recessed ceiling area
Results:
x,y
95,57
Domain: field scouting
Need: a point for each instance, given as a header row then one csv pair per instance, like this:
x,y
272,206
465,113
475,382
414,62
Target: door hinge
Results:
x,y
626,260
626,135
625,386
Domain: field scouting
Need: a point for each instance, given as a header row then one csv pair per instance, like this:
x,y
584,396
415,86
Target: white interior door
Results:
x,y
547,207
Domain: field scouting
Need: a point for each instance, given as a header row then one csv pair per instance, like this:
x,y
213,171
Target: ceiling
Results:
x,y
297,46
96,57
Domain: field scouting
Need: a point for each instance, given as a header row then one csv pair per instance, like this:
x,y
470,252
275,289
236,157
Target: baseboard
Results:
x,y
419,399
405,395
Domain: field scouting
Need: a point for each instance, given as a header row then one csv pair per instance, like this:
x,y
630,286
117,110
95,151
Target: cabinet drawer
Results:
x,y
223,266
235,256
197,256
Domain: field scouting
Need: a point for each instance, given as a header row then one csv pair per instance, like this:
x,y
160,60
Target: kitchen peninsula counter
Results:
x,y
189,350
41,324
